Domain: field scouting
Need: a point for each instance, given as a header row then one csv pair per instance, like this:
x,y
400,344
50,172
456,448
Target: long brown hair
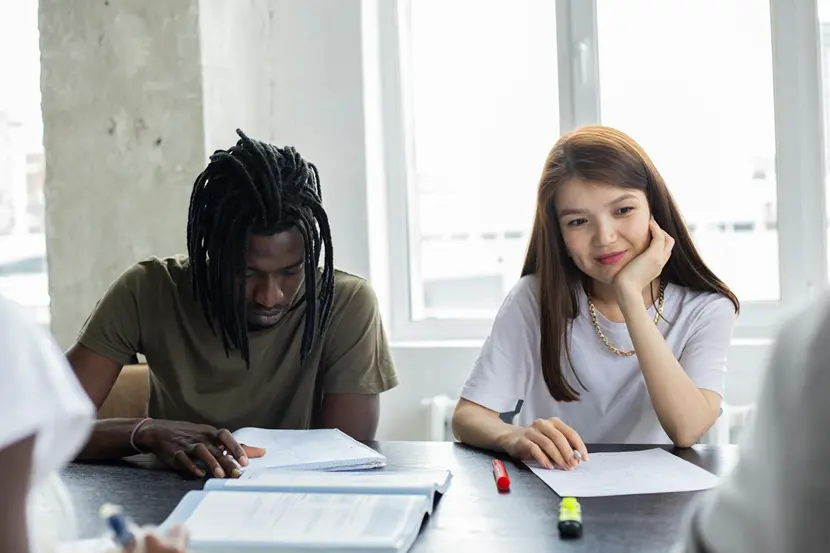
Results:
x,y
606,155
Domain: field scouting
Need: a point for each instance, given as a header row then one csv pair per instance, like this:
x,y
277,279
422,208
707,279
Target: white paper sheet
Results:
x,y
284,518
627,473
324,449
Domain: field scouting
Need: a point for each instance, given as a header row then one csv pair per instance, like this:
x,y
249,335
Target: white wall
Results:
x,y
234,38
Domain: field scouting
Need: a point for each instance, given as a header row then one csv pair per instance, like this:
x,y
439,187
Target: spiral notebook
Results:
x,y
324,449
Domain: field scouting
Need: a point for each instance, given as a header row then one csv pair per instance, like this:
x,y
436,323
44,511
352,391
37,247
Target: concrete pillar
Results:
x,y
124,139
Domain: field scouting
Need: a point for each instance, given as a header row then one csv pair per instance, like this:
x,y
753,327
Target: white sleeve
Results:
x,y
40,395
776,497
501,374
704,354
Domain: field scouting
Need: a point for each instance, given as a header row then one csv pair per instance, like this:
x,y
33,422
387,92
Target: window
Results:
x,y
703,110
483,115
22,241
716,91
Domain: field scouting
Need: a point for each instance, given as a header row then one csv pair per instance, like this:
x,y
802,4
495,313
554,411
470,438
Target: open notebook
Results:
x,y
260,521
326,449
386,482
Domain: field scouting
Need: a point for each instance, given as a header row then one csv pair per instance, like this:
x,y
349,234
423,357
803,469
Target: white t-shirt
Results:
x,y
39,396
616,407
778,496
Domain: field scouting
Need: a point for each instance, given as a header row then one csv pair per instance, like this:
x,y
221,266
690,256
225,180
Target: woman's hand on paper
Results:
x,y
550,442
184,446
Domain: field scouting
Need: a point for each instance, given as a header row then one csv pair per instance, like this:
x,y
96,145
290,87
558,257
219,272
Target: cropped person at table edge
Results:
x,y
246,330
617,331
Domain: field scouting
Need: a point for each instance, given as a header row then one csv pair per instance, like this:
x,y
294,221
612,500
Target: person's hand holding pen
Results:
x,y
130,539
185,446
174,542
550,442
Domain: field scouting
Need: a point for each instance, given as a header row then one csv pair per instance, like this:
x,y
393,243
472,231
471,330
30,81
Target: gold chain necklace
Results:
x,y
593,311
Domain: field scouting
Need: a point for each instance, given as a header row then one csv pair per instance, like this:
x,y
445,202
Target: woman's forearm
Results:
x,y
479,427
684,411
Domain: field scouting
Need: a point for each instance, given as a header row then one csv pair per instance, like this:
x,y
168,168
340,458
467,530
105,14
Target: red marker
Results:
x,y
500,474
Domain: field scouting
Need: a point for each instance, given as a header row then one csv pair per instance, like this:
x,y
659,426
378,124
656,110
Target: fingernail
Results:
x,y
549,466
220,473
243,461
200,473
236,473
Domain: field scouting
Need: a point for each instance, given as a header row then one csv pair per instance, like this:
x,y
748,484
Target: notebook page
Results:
x,y
627,473
289,518
289,448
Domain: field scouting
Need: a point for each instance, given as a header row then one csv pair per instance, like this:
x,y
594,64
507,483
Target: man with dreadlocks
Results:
x,y
246,330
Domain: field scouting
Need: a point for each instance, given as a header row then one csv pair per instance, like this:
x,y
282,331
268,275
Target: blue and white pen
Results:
x,y
122,532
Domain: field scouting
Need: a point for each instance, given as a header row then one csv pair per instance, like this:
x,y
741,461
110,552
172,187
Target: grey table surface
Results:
x,y
471,516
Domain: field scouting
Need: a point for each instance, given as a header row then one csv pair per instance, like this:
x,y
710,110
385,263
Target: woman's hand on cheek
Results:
x,y
647,266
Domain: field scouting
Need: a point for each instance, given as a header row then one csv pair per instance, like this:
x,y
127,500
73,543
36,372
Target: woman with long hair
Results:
x,y
617,331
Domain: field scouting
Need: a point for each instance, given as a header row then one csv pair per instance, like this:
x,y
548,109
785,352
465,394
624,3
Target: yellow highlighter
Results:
x,y
570,518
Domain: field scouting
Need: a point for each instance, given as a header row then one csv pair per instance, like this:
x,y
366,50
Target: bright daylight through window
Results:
x,y
479,116
22,242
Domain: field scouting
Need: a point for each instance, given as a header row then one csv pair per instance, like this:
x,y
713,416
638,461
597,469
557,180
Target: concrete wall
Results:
x,y
285,71
122,110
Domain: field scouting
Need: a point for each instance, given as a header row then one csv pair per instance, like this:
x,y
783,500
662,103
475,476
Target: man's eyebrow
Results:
x,y
286,268
293,266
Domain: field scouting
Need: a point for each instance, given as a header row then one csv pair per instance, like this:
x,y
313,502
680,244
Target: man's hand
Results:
x,y
181,445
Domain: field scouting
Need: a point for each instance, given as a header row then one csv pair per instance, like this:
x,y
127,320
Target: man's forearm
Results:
x,y
110,439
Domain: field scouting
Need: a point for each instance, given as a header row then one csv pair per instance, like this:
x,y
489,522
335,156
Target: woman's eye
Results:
x,y
576,222
625,210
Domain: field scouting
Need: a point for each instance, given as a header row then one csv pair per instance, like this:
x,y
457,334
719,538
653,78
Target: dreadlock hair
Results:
x,y
255,188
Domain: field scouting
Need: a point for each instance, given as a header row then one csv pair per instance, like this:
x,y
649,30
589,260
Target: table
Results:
x,y
472,516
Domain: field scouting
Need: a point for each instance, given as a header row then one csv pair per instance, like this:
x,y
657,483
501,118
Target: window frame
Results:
x,y
799,140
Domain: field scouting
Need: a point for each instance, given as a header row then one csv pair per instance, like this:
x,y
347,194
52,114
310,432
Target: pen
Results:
x,y
122,533
500,474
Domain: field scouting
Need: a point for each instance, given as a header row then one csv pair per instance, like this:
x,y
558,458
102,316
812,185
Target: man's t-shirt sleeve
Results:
x,y
356,358
113,328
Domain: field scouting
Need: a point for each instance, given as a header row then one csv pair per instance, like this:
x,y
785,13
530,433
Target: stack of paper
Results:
x,y
627,473
386,482
327,449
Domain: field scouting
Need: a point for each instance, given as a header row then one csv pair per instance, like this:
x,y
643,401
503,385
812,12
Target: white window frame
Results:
x,y
799,140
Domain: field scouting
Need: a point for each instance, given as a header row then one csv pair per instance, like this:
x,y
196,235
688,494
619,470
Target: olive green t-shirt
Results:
x,y
151,310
